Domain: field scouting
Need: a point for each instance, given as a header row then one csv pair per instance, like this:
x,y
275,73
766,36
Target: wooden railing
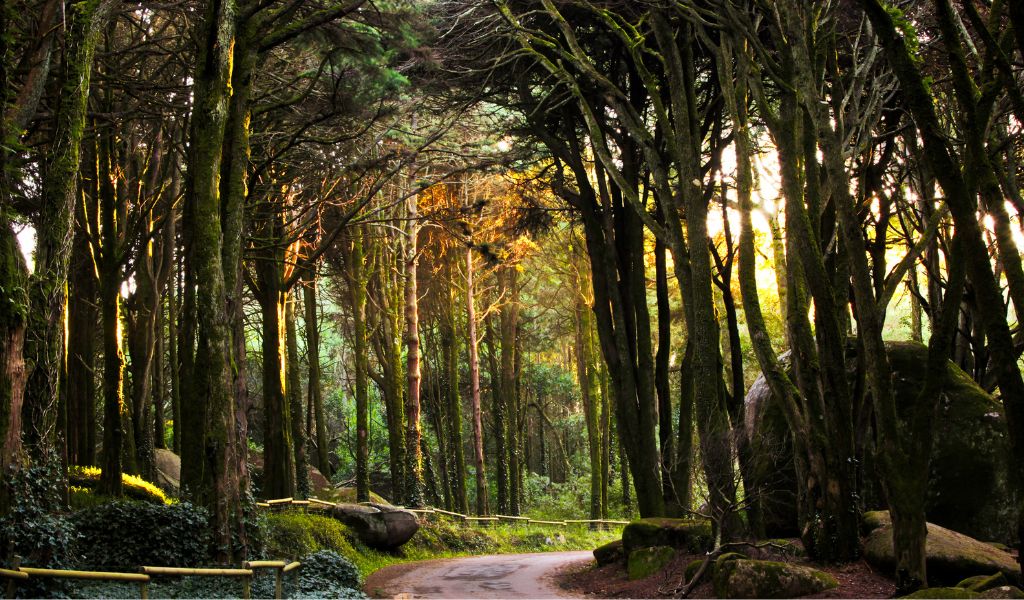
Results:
x,y
144,577
427,512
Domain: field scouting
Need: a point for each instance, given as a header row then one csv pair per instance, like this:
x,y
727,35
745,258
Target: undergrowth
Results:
x,y
290,534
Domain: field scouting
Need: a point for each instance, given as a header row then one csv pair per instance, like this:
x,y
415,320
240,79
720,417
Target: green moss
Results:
x,y
645,562
1003,591
874,519
950,556
691,569
766,579
727,556
980,583
943,592
688,534
292,534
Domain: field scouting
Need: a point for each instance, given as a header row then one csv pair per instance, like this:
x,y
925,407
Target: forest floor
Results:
x,y
493,576
856,580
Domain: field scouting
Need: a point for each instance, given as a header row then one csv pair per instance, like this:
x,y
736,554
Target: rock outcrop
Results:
x,y
644,562
742,578
970,485
950,556
685,534
379,526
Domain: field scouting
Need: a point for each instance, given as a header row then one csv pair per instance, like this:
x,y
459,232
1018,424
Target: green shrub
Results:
x,y
132,534
326,574
36,528
292,534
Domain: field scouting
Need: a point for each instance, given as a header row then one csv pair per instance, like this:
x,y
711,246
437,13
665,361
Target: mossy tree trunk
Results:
x,y
84,22
211,474
945,166
357,289
315,402
450,344
294,389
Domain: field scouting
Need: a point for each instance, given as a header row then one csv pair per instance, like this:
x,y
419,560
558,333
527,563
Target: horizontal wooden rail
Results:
x,y
280,567
9,574
264,564
538,522
291,566
142,580
93,575
188,571
244,574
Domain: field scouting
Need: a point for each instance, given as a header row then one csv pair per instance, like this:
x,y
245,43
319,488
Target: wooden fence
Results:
x,y
146,573
432,512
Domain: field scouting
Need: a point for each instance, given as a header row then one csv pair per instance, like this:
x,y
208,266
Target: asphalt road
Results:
x,y
492,576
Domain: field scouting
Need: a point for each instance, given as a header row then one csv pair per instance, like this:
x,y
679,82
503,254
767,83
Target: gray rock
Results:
x,y
379,526
743,578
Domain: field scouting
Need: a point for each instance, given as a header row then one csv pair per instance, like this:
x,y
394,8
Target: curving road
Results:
x,y
492,576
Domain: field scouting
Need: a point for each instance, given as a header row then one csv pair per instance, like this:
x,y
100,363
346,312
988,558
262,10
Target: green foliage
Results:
x,y
326,574
132,534
293,534
36,527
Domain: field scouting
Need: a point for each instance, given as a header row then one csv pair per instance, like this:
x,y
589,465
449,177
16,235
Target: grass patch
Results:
x,y
290,534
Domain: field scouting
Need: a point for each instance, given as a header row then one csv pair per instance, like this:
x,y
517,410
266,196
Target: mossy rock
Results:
x,y
873,519
969,485
943,592
786,547
1003,591
692,567
644,562
609,553
726,557
767,579
950,556
686,534
980,583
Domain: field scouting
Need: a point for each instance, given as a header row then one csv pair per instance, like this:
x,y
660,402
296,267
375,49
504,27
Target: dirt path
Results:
x,y
493,576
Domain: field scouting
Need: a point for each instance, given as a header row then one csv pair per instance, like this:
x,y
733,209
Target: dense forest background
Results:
x,y
756,262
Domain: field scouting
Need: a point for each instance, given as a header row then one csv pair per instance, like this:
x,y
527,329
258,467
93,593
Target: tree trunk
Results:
x,y
357,286
278,453
294,390
44,345
474,386
211,475
13,317
316,399
499,421
414,457
454,401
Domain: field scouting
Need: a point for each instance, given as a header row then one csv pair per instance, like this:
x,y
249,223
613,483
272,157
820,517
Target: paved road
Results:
x,y
493,576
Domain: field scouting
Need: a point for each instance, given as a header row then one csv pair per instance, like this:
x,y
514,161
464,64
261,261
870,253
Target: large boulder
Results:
x,y
608,553
970,486
379,526
950,556
644,562
767,579
687,534
168,469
